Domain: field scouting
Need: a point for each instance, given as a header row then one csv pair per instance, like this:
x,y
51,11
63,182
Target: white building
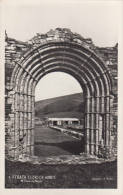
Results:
x,y
63,121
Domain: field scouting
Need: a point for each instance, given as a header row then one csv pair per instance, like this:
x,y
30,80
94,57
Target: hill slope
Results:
x,y
63,106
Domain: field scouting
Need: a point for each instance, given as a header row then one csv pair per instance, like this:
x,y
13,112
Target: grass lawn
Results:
x,y
49,142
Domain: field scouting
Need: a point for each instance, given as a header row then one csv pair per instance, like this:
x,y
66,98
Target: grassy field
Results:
x,y
50,142
64,106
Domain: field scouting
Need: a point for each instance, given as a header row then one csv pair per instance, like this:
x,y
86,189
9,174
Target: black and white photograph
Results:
x,y
61,94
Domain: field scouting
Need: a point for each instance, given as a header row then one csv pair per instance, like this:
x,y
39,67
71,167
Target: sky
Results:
x,y
56,84
94,20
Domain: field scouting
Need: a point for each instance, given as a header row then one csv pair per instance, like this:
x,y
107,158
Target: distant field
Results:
x,y
64,106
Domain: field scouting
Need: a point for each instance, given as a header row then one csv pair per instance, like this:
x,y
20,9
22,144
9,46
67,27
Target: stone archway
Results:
x,y
66,52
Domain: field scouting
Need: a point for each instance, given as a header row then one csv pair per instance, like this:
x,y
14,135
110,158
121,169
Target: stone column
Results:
x,y
87,126
25,120
21,116
111,118
107,121
92,131
30,134
102,110
23,107
97,125
33,117
33,125
29,125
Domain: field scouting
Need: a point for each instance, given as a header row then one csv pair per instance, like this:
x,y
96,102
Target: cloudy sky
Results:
x,y
97,20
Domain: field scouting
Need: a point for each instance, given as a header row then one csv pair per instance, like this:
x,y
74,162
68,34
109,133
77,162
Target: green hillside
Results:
x,y
63,106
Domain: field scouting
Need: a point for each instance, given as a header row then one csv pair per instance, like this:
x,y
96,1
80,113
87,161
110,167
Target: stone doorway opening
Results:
x,y
59,117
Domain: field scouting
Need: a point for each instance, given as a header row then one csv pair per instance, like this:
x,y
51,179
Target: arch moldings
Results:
x,y
77,59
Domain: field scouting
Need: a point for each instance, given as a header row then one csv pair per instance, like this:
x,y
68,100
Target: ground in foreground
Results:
x,y
27,175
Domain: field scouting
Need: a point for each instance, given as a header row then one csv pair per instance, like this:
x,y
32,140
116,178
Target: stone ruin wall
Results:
x,y
14,50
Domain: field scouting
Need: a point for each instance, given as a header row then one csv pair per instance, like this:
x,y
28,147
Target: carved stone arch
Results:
x,y
71,57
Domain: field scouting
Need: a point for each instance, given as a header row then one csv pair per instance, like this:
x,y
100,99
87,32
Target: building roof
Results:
x,y
63,119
